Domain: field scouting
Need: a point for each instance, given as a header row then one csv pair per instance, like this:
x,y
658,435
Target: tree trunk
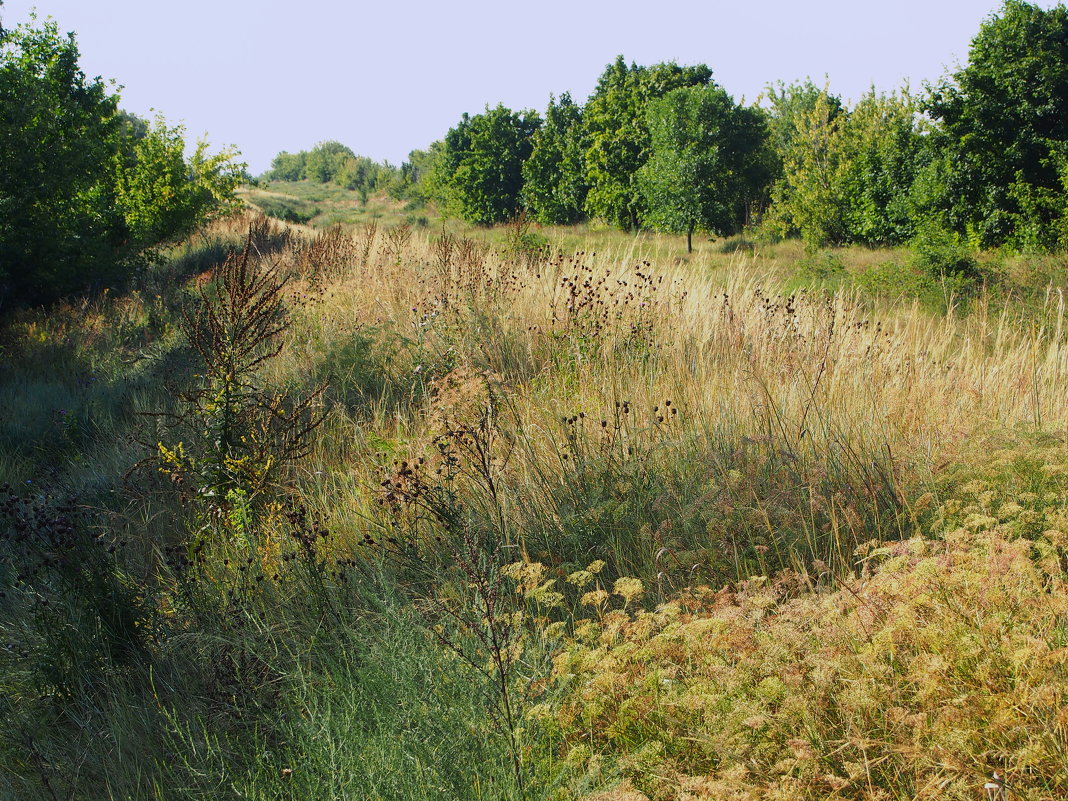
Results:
x,y
689,240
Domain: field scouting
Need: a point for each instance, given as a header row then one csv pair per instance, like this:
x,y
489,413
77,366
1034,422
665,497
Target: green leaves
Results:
x,y
84,188
1004,119
554,176
847,176
709,161
480,168
618,141
54,131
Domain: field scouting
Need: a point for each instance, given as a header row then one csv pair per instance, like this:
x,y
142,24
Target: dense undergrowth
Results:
x,y
402,514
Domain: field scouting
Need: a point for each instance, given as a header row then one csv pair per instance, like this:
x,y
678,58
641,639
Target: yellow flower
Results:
x,y
595,598
580,578
629,588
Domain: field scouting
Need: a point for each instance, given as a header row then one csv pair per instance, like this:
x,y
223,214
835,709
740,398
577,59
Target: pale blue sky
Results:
x,y
385,78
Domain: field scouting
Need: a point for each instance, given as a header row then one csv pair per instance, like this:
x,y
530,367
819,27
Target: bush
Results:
x,y
288,210
87,192
940,253
823,267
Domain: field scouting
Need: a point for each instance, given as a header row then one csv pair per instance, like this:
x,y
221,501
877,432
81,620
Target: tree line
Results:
x,y
980,155
88,192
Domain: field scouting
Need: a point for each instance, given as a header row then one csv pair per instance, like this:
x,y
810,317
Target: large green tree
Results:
x,y
884,145
56,132
847,175
709,162
480,167
1004,129
618,134
554,176
86,190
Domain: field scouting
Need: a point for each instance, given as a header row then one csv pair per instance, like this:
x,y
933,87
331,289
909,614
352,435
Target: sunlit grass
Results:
x,y
744,410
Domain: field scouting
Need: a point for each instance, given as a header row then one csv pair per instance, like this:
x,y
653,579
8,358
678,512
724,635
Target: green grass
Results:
x,y
815,399
323,205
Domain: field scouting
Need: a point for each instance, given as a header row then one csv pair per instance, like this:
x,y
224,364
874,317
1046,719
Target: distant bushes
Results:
x,y
333,162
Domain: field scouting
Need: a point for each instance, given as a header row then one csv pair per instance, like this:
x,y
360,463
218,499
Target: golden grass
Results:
x,y
815,376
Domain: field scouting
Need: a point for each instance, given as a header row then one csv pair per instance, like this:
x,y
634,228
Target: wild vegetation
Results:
x,y
395,493
87,192
555,510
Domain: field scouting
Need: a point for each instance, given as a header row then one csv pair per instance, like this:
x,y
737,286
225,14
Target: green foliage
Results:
x,y
809,200
885,148
618,136
480,167
416,180
333,162
940,252
554,176
325,160
160,195
848,176
708,162
85,189
288,167
56,223
1004,125
787,105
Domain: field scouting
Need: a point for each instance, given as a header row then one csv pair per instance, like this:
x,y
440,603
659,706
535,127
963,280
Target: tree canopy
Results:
x,y
618,135
86,190
481,163
554,176
1004,129
709,160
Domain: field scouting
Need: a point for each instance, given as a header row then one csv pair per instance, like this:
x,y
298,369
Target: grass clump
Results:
x,y
938,663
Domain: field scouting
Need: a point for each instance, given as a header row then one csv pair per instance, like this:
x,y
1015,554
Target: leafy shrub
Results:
x,y
940,253
88,193
823,266
736,244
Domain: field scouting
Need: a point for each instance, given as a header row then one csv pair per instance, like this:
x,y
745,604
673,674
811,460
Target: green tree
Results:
x,y
56,133
848,176
787,102
417,178
326,160
884,146
554,176
86,191
709,161
288,167
161,195
809,198
480,168
617,134
1004,126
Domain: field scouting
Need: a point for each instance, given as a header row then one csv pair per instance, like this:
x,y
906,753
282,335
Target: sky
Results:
x,y
386,78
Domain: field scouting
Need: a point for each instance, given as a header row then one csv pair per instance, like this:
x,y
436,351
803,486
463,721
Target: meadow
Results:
x,y
403,510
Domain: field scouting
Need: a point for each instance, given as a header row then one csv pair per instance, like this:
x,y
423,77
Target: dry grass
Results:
x,y
689,421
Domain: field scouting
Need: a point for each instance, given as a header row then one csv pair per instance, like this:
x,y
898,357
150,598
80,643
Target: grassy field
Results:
x,y
321,205
535,513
